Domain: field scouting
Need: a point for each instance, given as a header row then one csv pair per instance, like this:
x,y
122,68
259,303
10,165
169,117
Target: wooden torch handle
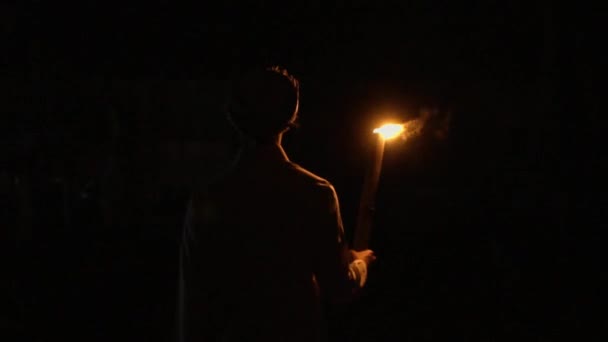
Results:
x,y
366,204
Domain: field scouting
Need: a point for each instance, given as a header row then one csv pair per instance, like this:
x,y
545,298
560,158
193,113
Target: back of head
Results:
x,y
264,103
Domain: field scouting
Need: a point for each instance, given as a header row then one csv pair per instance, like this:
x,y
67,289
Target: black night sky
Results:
x,y
488,224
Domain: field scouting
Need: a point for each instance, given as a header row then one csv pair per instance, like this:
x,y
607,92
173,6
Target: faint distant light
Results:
x,y
389,131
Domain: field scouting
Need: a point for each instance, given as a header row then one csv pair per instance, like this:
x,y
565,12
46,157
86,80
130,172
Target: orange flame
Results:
x,y
390,131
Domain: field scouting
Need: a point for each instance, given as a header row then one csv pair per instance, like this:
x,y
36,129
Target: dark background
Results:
x,y
488,224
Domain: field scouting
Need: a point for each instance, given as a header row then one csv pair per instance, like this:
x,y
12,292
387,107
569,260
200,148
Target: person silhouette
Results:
x,y
264,246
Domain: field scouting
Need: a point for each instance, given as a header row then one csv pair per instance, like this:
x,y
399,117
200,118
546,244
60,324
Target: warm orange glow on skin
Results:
x,y
389,131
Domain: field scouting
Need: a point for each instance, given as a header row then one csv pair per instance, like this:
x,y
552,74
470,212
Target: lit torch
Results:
x,y
366,204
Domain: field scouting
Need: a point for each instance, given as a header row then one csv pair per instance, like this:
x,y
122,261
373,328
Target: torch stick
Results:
x,y
370,186
366,204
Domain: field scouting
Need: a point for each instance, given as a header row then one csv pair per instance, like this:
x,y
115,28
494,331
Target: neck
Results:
x,y
276,140
268,147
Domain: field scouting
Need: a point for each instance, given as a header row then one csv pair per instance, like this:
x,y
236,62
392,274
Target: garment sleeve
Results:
x,y
338,276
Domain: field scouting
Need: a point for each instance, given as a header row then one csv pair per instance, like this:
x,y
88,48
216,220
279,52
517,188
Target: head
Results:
x,y
264,104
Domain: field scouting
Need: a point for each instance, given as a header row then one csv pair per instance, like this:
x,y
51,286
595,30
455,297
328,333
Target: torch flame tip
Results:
x,y
390,130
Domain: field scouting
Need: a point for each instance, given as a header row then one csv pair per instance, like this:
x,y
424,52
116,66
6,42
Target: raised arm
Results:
x,y
339,271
